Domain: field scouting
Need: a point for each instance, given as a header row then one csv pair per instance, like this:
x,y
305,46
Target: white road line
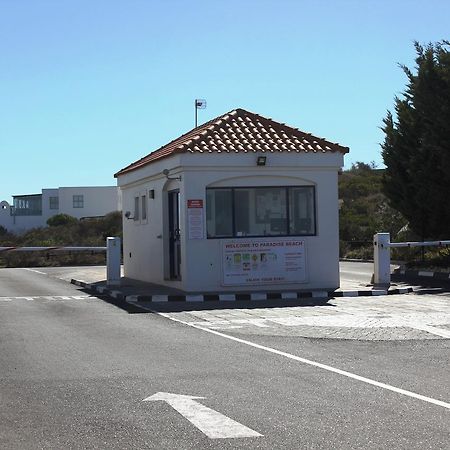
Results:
x,y
212,423
314,363
45,297
433,330
33,270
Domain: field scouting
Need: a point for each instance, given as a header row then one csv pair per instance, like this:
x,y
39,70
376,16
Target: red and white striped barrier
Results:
x,y
382,255
53,249
112,249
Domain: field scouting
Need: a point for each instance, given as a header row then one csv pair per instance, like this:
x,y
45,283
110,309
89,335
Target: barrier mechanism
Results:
x,y
382,255
113,261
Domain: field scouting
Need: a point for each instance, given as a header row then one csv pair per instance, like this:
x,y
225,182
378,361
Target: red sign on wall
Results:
x,y
195,219
195,203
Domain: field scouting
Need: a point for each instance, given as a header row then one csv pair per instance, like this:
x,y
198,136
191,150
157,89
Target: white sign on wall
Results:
x,y
263,261
195,212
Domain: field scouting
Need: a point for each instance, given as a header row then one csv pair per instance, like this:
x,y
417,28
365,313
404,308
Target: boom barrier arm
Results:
x,y
112,249
382,255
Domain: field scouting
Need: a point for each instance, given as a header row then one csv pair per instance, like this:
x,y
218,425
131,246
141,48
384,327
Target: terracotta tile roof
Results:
x,y
240,131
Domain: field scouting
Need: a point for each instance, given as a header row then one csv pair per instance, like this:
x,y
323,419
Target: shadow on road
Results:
x,y
423,285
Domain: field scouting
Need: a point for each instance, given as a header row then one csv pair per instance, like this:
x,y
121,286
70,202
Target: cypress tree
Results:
x,y
416,148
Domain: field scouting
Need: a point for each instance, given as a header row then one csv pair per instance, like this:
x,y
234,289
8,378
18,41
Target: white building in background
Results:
x,y
237,204
32,211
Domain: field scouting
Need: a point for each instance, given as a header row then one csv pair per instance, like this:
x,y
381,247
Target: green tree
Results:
x,y
416,148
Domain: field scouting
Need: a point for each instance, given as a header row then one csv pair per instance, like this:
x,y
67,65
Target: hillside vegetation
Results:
x,y
364,211
62,231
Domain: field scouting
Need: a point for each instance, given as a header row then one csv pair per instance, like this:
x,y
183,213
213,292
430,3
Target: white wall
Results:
x,y
98,200
201,267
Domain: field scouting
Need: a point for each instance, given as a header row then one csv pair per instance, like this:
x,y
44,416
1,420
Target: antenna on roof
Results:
x,y
199,104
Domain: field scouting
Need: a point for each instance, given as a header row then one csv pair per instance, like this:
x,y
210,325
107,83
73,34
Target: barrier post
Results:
x,y
382,259
113,261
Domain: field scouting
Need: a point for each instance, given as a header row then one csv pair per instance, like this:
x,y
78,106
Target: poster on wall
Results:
x,y
195,212
263,261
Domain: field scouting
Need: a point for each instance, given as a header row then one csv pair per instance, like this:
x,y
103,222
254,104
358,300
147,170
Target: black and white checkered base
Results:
x,y
117,294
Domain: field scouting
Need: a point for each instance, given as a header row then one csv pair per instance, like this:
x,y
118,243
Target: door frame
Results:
x,y
174,234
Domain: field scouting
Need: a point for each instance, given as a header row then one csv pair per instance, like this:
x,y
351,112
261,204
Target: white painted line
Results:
x,y
376,293
33,270
433,330
288,295
131,298
350,293
208,421
227,297
320,294
258,296
314,363
423,273
194,298
160,298
5,299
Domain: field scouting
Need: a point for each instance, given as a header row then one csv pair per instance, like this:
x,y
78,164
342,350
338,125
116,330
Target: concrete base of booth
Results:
x,y
128,295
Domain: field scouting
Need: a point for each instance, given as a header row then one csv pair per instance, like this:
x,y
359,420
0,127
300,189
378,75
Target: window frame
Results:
x,y
79,201
137,208
288,213
53,202
144,207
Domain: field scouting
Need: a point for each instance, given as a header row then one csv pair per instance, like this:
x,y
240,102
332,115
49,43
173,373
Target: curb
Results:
x,y
423,274
238,297
99,289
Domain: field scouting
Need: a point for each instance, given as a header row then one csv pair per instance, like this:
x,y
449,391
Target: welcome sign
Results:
x,y
263,261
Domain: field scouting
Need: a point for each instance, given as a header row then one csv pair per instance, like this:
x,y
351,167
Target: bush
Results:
x,y
63,231
61,219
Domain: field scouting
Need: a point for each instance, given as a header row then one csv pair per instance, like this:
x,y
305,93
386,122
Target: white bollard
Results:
x,y
113,261
382,259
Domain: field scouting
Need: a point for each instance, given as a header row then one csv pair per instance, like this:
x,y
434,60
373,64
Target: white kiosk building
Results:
x,y
240,203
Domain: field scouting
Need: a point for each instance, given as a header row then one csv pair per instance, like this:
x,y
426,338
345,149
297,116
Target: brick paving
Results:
x,y
397,317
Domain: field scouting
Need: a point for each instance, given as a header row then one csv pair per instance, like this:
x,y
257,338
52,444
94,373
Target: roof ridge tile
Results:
x,y
231,130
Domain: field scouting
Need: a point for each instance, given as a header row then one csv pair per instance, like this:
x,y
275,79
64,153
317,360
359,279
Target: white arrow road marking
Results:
x,y
208,421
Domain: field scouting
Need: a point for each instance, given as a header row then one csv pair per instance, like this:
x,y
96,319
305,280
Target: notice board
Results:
x,y
263,261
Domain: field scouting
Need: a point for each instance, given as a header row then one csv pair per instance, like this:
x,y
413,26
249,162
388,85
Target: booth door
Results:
x,y
174,235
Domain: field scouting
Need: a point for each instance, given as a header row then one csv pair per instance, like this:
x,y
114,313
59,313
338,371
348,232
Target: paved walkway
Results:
x,y
381,318
398,317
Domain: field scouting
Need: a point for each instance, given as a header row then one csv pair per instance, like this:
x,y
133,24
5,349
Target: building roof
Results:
x,y
240,131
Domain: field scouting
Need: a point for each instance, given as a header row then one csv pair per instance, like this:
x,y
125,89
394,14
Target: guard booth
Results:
x,y
240,203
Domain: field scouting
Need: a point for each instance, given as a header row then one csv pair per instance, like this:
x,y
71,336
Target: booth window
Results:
x,y
260,211
136,209
144,207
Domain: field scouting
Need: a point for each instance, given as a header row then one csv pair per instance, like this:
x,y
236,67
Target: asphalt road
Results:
x,y
75,369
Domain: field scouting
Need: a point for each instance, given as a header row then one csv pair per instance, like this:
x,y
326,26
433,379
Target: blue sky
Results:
x,y
87,87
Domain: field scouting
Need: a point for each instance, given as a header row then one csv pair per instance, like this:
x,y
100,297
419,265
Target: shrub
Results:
x,y
61,219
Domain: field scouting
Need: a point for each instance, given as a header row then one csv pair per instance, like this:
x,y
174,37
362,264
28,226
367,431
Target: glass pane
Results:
x,y
27,205
219,215
136,208
301,210
144,207
260,211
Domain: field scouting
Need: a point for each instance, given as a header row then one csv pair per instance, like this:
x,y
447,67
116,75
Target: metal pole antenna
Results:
x,y
195,106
